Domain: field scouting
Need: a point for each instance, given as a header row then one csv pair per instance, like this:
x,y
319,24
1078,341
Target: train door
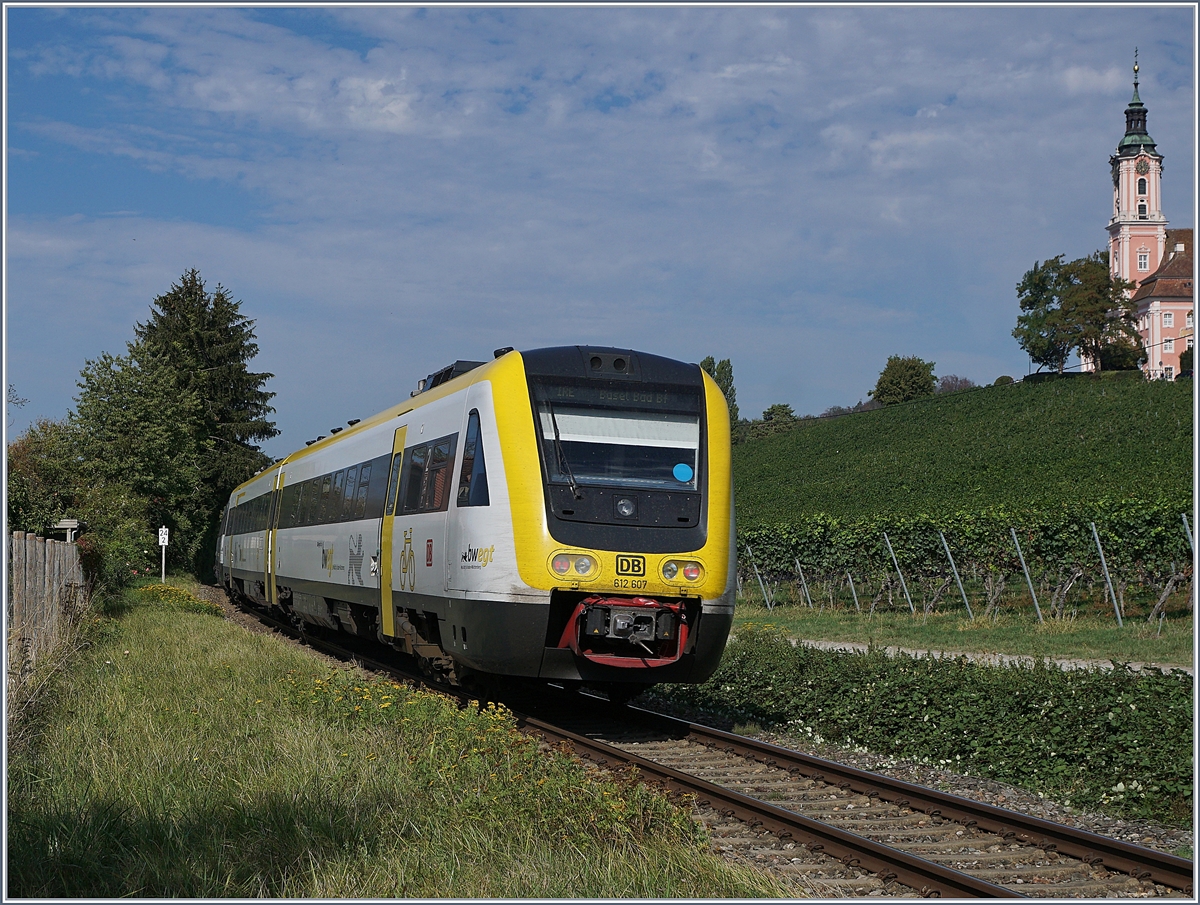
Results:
x,y
272,523
386,530
236,548
472,534
223,563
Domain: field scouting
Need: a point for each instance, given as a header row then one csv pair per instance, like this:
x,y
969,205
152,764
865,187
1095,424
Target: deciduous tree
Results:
x,y
952,383
904,378
134,433
1074,306
1042,329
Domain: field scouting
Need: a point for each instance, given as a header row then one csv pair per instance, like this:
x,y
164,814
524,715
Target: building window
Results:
x,y
1168,345
1169,372
1142,211
1142,186
1143,260
1168,319
1189,342
1189,319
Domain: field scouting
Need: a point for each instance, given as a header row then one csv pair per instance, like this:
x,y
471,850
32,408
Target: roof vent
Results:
x,y
437,378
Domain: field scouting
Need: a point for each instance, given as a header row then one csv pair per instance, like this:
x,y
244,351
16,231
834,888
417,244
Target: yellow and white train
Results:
x,y
562,514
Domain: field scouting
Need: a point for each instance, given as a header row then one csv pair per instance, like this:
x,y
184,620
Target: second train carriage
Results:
x,y
563,514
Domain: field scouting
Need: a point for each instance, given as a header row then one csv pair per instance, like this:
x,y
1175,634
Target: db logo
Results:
x,y
429,552
631,565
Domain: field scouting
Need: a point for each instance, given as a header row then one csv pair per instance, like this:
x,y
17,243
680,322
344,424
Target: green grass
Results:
x,y
1085,637
1020,446
182,756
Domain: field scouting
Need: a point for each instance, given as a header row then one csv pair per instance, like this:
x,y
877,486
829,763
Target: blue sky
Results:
x,y
803,190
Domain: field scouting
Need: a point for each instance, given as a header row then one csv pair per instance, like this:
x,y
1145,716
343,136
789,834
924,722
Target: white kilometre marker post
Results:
x,y
162,542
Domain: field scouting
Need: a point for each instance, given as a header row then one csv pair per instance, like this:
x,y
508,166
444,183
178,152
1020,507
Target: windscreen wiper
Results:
x,y
563,465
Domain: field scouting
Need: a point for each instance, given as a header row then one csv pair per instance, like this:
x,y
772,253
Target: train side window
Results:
x,y
323,510
393,482
297,491
425,484
287,504
472,478
334,512
414,479
377,482
436,495
312,501
351,486
364,486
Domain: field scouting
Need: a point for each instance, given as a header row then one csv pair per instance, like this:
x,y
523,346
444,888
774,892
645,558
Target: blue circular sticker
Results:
x,y
683,472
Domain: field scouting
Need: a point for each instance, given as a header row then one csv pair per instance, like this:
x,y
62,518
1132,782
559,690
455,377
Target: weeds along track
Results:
x,y
847,830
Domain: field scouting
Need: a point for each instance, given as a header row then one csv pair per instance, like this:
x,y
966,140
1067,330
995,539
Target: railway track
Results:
x,y
1007,850
856,832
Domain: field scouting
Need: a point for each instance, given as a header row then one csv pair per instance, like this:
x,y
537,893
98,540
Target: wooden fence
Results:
x,y
46,592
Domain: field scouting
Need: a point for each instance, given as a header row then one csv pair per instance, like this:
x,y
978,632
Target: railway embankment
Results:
x,y
1116,741
179,755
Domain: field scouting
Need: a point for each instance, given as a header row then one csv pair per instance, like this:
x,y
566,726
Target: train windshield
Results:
x,y
619,435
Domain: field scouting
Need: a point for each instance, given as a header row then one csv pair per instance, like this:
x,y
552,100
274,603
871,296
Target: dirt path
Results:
x,y
994,659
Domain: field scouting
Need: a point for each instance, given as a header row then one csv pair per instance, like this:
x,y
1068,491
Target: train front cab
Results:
x,y
620,487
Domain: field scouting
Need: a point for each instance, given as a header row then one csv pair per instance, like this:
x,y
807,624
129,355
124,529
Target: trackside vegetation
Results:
x,y
183,756
1108,740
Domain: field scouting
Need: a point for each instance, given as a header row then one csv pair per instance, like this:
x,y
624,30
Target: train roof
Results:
x,y
603,362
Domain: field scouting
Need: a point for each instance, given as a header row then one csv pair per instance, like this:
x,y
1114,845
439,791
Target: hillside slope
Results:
x,y
1021,446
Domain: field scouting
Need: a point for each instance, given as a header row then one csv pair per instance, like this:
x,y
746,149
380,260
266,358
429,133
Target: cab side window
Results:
x,y
472,477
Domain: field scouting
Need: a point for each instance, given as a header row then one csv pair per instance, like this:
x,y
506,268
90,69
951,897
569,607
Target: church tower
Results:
x,y
1138,230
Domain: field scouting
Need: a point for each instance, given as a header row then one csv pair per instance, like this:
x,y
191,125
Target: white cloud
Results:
x,y
1085,79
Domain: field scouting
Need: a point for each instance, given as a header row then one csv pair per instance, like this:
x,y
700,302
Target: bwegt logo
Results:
x,y
479,556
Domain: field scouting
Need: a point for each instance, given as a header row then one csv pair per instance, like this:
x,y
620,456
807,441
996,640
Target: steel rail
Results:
x,y
927,877
1096,850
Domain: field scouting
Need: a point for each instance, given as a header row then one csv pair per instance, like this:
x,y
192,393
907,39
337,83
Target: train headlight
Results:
x,y
626,507
584,565
561,564
673,570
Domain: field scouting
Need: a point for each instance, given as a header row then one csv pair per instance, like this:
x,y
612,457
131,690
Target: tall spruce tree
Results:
x,y
208,343
722,374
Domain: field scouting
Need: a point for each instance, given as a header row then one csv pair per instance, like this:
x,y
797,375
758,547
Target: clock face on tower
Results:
x,y
1143,166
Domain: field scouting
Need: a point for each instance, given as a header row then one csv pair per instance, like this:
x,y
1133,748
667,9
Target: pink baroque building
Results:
x,y
1165,311
1157,261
